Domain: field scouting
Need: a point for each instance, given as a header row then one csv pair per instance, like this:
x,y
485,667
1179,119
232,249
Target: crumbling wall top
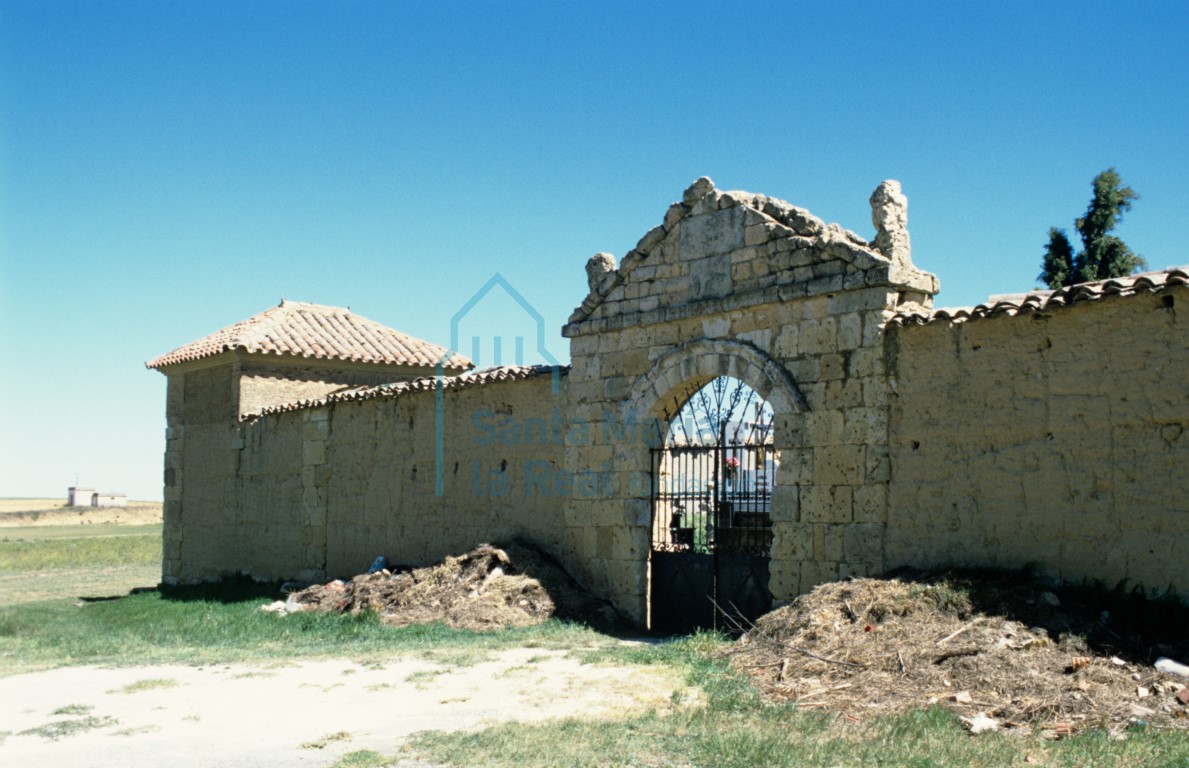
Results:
x,y
716,245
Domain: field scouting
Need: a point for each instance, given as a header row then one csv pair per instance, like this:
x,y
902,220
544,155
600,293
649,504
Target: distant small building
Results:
x,y
89,497
80,497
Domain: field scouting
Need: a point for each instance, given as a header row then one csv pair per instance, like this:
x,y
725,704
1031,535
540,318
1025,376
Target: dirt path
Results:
x,y
304,714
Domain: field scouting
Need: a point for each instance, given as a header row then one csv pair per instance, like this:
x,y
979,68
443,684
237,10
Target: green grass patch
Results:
x,y
425,675
151,684
60,729
223,623
41,554
84,531
733,728
329,738
73,709
364,758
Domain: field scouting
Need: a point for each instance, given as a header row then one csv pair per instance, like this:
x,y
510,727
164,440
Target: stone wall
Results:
x,y
738,284
1053,438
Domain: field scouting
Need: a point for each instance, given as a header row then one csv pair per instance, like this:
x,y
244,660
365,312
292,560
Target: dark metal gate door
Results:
x,y
711,537
682,590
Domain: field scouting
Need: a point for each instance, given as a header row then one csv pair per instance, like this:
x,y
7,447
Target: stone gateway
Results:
x,y
1045,428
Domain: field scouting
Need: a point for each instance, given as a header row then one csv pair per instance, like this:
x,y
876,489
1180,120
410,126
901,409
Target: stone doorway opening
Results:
x,y
712,487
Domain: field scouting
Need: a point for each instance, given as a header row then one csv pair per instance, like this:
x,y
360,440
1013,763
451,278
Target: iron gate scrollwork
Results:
x,y
711,536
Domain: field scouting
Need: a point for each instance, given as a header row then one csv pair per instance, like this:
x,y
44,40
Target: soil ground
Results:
x,y
307,713
301,714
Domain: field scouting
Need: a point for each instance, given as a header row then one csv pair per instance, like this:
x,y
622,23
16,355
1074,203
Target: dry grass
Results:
x,y
80,585
871,646
31,505
20,513
487,588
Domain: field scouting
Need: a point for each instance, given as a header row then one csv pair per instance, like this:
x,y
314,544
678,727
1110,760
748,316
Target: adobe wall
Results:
x,y
1054,438
205,528
319,492
199,495
502,478
266,381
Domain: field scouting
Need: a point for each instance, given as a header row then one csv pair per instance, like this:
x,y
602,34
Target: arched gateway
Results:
x,y
743,286
711,481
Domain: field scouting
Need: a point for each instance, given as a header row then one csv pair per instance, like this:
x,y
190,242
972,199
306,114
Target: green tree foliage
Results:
x,y
1103,255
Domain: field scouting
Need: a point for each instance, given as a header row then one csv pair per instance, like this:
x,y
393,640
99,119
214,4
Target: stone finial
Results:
x,y
697,191
597,270
889,214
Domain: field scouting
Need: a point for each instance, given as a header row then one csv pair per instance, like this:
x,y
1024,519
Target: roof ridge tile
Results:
x,y
315,331
1041,300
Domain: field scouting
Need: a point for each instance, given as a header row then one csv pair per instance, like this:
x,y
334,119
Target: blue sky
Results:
x,y
167,169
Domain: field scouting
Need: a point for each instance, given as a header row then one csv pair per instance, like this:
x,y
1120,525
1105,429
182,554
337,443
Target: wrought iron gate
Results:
x,y
711,536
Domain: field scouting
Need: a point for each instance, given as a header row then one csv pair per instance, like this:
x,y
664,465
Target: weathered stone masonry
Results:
x,y
744,285
1046,429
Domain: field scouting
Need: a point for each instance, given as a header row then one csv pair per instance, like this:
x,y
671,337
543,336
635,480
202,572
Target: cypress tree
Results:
x,y
1103,255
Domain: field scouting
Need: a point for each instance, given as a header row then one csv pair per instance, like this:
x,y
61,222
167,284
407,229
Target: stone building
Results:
x,y
77,496
1042,429
292,353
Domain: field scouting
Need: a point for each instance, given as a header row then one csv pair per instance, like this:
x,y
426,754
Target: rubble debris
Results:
x,y
1168,666
487,588
997,665
980,723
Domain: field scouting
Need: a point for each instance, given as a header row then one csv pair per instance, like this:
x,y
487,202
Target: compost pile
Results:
x,y
487,588
1002,655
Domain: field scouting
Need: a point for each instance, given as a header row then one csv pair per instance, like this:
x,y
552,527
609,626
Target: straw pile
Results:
x,y
870,645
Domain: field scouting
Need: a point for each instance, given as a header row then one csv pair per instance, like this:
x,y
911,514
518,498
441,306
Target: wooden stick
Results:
x,y
820,691
823,658
959,631
782,664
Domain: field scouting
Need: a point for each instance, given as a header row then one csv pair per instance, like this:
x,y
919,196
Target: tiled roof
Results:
x,y
469,379
314,331
1044,301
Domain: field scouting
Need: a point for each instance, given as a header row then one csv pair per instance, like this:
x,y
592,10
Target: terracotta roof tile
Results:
x,y
1044,301
469,379
314,331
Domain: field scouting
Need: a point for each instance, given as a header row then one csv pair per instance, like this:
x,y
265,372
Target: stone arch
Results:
x,y
681,371
656,396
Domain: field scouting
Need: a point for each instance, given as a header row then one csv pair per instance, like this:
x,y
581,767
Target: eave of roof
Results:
x,y
426,383
1045,301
